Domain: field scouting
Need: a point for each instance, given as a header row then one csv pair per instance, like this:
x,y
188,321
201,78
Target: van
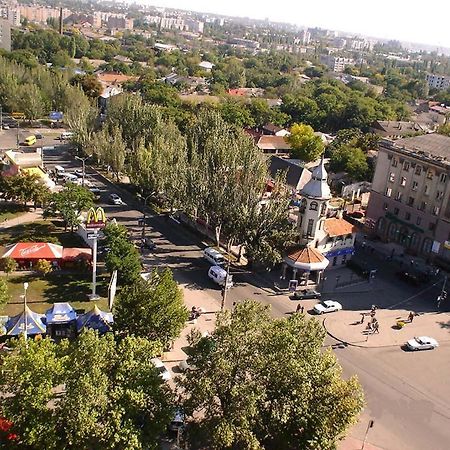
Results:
x,y
70,177
214,256
30,140
219,276
66,135
60,171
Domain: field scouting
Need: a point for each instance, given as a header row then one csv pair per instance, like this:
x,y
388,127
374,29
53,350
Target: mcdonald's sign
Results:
x,y
96,218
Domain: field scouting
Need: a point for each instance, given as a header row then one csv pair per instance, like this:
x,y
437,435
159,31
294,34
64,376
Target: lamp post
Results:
x,y
83,160
145,215
25,332
225,288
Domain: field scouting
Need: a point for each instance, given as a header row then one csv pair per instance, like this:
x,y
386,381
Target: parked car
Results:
x,y
161,368
307,294
184,365
327,306
219,276
422,343
78,172
115,200
39,135
96,191
69,177
214,256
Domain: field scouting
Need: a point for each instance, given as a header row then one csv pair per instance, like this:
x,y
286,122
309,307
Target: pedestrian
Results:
x,y
298,308
303,309
411,316
376,328
234,305
362,318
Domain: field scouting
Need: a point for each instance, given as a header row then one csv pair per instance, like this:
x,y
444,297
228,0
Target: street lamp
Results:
x,y
83,160
145,199
25,287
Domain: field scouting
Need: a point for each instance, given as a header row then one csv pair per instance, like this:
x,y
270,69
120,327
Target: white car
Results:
x,y
116,200
422,343
162,369
327,306
70,177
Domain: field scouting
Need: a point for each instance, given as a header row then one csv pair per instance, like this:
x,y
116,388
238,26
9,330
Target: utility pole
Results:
x,y
25,331
145,215
369,425
83,161
443,295
225,288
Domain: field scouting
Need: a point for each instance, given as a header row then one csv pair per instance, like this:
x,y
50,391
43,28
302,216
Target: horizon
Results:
x,y
401,24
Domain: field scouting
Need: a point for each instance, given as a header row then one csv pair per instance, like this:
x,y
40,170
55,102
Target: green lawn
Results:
x,y
41,231
56,287
9,211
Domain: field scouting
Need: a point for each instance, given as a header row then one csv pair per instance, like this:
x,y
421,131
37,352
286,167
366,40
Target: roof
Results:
x,y
77,253
25,159
307,258
114,78
271,128
33,250
206,65
35,324
60,313
95,319
435,144
337,227
396,128
294,171
273,143
317,186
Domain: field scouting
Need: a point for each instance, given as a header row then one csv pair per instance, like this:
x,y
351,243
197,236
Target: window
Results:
x,y
398,196
406,166
430,174
394,162
418,220
436,210
439,195
388,192
414,185
385,206
323,210
309,231
407,216
422,206
334,260
392,177
426,191
313,206
410,201
403,181
303,204
431,226
418,170
443,178
396,211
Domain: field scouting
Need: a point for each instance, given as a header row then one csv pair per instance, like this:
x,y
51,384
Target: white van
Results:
x,y
214,256
219,276
66,135
70,177
60,171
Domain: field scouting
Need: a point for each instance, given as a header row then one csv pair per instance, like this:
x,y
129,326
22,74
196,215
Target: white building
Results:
x,y
11,14
440,82
206,65
196,26
323,239
305,37
337,63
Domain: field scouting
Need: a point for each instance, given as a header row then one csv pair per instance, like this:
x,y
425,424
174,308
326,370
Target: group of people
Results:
x,y
195,313
373,326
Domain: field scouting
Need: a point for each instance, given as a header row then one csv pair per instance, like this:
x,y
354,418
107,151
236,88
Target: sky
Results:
x,y
405,20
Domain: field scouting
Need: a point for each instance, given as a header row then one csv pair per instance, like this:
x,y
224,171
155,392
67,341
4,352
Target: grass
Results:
x,y
41,231
56,287
11,211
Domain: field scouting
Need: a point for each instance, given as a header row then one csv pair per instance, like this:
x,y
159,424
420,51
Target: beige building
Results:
x,y
37,13
5,35
410,198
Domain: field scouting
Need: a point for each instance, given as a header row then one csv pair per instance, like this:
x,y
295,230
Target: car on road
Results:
x,y
307,294
161,368
39,135
69,177
114,199
78,172
422,343
327,306
219,276
214,256
147,243
5,126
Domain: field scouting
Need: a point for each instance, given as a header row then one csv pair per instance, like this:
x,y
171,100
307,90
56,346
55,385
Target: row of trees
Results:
x,y
254,383
24,188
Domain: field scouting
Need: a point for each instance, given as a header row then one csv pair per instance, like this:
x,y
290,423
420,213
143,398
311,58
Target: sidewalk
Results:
x,y
27,217
345,326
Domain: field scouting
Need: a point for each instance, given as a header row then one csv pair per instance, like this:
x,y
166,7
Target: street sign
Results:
x,y
55,115
293,284
92,235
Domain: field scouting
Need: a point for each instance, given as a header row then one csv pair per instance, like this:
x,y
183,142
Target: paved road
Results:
x,y
407,394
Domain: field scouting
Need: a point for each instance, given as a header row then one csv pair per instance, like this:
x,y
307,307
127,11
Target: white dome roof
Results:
x,y
317,186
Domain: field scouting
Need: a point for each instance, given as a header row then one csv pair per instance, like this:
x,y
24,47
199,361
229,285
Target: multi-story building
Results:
x,y
196,26
438,81
120,22
410,198
11,14
305,37
40,14
337,63
5,35
172,23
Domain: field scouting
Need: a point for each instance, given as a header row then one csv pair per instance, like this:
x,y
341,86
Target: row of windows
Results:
x,y
407,216
415,185
419,169
411,200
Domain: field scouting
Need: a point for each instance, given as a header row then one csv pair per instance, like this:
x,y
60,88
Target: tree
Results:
x,y
305,145
152,309
351,160
113,396
69,204
90,84
9,265
267,383
122,255
43,267
4,294
31,102
444,129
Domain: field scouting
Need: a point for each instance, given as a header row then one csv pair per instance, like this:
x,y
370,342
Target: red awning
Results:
x,y
71,254
34,250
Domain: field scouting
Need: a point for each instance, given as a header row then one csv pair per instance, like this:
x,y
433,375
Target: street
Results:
x,y
407,393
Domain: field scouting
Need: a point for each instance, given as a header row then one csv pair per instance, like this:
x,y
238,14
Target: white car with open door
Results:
x,y
327,306
422,343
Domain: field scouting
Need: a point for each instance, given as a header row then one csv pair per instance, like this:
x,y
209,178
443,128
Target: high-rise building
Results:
x,y
440,82
11,14
5,35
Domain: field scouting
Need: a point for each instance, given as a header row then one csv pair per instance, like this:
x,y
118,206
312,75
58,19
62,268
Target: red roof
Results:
x,y
70,254
33,250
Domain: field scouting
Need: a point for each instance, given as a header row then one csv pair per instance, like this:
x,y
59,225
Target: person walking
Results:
x,y
411,316
299,307
362,318
303,309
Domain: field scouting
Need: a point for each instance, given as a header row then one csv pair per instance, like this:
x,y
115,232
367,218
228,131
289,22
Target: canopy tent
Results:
x,y
60,313
95,319
35,323
74,254
33,251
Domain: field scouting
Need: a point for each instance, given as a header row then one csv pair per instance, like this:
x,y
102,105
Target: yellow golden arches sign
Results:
x,y
96,218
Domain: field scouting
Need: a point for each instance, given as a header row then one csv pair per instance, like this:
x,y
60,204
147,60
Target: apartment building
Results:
x,y
438,81
337,63
410,198
11,14
5,35
40,14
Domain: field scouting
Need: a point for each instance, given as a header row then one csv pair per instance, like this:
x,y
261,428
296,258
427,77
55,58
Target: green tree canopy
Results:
x,y
305,145
351,160
268,383
4,294
153,309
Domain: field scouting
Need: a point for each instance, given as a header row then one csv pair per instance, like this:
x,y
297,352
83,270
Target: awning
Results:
x,y
60,313
307,258
72,254
340,252
33,251
95,320
34,323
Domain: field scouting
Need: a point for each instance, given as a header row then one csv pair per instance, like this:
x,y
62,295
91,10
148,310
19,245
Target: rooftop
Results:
x,y
269,142
294,170
337,227
307,258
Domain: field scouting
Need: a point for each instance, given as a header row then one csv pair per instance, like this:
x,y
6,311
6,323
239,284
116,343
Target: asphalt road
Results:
x,y
407,394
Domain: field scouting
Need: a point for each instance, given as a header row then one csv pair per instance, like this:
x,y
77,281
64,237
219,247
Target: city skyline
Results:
x,y
385,20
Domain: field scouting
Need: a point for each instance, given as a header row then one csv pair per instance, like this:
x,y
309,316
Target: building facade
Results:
x,y
5,35
337,63
410,198
440,82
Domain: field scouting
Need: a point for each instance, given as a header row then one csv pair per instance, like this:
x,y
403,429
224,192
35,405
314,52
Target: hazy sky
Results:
x,y
406,20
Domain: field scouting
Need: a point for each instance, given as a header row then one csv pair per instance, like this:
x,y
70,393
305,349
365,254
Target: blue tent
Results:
x,y
60,313
95,319
35,323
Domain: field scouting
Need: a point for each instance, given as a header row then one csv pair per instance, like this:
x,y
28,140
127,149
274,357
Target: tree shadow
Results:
x,y
445,325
